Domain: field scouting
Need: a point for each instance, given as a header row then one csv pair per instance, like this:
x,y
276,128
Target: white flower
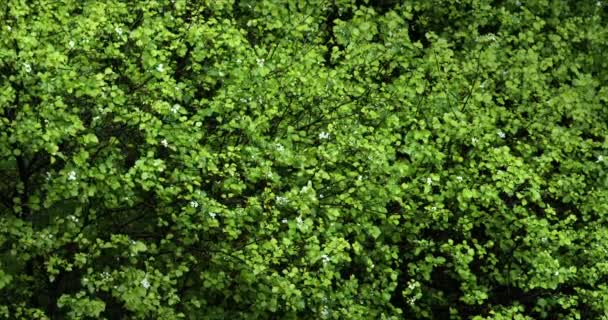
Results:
x,y
260,62
48,176
28,67
323,135
105,275
325,259
284,221
556,273
433,208
212,214
411,300
325,312
600,158
321,195
175,108
501,134
72,175
413,284
459,178
73,218
145,283
164,143
238,61
9,28
118,30
280,147
159,67
281,200
429,181
71,44
194,204
299,220
474,140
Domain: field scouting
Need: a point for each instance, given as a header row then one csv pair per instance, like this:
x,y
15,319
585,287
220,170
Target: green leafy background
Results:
x,y
320,159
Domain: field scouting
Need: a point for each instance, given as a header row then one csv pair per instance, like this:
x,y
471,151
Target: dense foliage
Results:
x,y
283,159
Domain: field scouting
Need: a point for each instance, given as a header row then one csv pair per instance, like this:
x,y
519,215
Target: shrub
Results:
x,y
304,159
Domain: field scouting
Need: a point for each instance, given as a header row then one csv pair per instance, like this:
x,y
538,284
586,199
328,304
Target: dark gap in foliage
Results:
x,y
418,33
380,6
329,38
586,135
565,121
443,280
491,28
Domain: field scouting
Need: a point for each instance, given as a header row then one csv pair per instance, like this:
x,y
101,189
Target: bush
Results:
x,y
304,159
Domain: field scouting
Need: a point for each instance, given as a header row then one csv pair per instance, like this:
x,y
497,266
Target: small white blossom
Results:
x,y
556,273
27,67
299,220
474,140
118,30
321,196
325,259
145,283
413,284
238,61
48,176
72,175
281,200
429,181
280,147
600,159
73,218
459,178
260,62
325,312
9,28
159,67
164,143
175,108
194,204
284,221
501,134
323,135
433,208
71,44
212,214
105,275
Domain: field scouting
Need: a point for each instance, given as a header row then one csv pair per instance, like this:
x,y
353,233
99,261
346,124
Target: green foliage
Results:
x,y
303,159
